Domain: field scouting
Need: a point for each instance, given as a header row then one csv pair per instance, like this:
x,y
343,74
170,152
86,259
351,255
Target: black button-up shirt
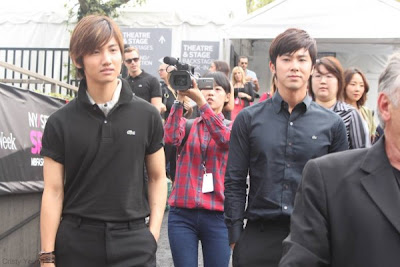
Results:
x,y
272,146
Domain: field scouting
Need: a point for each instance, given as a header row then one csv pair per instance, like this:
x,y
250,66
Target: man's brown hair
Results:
x,y
91,33
291,41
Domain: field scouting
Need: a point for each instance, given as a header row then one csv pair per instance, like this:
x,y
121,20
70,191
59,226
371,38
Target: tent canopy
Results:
x,y
367,21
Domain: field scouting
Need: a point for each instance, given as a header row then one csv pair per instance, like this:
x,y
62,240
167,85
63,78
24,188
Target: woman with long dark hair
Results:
x,y
326,88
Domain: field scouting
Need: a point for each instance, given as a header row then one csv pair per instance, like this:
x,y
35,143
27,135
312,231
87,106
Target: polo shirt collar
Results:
x,y
136,77
278,103
124,97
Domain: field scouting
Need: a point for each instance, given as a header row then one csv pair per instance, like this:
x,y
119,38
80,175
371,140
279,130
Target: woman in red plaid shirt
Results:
x,y
197,197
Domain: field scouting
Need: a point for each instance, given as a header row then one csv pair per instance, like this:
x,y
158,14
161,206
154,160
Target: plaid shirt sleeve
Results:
x,y
174,128
220,133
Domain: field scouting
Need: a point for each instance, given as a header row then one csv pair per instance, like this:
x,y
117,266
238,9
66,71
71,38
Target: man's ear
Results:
x,y
77,65
384,107
272,67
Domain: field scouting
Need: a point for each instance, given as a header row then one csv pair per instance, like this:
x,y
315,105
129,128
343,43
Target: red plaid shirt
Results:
x,y
210,136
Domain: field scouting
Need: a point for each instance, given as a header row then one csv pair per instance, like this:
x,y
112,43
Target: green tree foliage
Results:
x,y
253,5
99,7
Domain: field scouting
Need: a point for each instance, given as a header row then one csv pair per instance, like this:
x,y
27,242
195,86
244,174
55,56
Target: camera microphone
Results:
x,y
170,60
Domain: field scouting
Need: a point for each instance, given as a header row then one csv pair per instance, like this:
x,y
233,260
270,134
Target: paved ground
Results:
x,y
164,257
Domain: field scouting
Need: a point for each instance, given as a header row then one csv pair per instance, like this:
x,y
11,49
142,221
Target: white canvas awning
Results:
x,y
368,21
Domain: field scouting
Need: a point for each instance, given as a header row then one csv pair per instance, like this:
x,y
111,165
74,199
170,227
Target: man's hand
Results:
x,y
232,246
155,233
256,85
163,108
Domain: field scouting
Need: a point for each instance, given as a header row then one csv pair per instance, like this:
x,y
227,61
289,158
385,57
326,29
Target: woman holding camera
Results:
x,y
197,197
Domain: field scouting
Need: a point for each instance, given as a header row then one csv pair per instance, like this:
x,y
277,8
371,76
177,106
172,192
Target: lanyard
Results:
x,y
203,151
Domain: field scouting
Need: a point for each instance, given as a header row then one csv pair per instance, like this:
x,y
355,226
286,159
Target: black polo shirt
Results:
x,y
104,156
145,86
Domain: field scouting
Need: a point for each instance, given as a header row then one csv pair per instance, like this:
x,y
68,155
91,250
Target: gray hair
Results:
x,y
389,83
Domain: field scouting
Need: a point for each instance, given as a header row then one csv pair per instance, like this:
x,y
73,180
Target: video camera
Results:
x,y
181,77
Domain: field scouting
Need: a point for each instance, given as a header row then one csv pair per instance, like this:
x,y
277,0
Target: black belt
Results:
x,y
87,221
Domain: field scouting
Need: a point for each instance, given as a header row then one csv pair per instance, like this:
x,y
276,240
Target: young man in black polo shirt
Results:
x,y
272,142
94,152
143,84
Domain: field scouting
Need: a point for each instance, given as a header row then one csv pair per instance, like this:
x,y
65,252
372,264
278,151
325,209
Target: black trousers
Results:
x,y
260,244
85,243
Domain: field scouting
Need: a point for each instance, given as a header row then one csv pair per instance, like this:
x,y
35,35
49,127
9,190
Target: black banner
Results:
x,y
23,116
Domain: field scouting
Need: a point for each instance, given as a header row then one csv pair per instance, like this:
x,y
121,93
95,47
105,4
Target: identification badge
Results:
x,y
208,183
237,101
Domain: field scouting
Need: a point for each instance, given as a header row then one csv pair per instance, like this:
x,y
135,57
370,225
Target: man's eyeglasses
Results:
x,y
129,60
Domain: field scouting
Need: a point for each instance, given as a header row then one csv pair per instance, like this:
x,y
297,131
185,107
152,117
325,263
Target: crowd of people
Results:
x,y
269,183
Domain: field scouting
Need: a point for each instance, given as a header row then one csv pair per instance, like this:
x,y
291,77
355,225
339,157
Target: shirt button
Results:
x,y
285,207
288,165
105,121
285,186
105,105
291,123
290,144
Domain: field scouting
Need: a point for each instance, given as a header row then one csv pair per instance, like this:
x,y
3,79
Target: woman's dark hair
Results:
x,y
222,66
220,79
334,67
348,75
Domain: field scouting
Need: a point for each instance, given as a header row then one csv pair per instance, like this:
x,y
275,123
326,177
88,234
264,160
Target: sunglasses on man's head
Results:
x,y
129,60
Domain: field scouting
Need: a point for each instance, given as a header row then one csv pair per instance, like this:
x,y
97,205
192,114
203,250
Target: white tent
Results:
x,y
360,33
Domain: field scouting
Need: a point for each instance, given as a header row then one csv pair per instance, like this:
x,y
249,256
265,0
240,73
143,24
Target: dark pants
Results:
x,y
87,243
260,244
187,226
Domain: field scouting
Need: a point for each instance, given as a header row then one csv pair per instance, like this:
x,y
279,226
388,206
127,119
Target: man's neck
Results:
x,y
136,73
292,97
102,93
328,104
392,147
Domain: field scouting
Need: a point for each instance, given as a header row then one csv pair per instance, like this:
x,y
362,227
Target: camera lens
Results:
x,y
180,80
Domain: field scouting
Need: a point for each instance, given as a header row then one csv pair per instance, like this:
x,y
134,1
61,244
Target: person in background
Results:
x,y
197,198
251,76
243,91
355,93
271,142
94,201
347,207
170,96
222,66
268,95
143,84
326,88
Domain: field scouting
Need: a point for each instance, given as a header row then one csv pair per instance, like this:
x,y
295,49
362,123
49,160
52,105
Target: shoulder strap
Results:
x,y
188,126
